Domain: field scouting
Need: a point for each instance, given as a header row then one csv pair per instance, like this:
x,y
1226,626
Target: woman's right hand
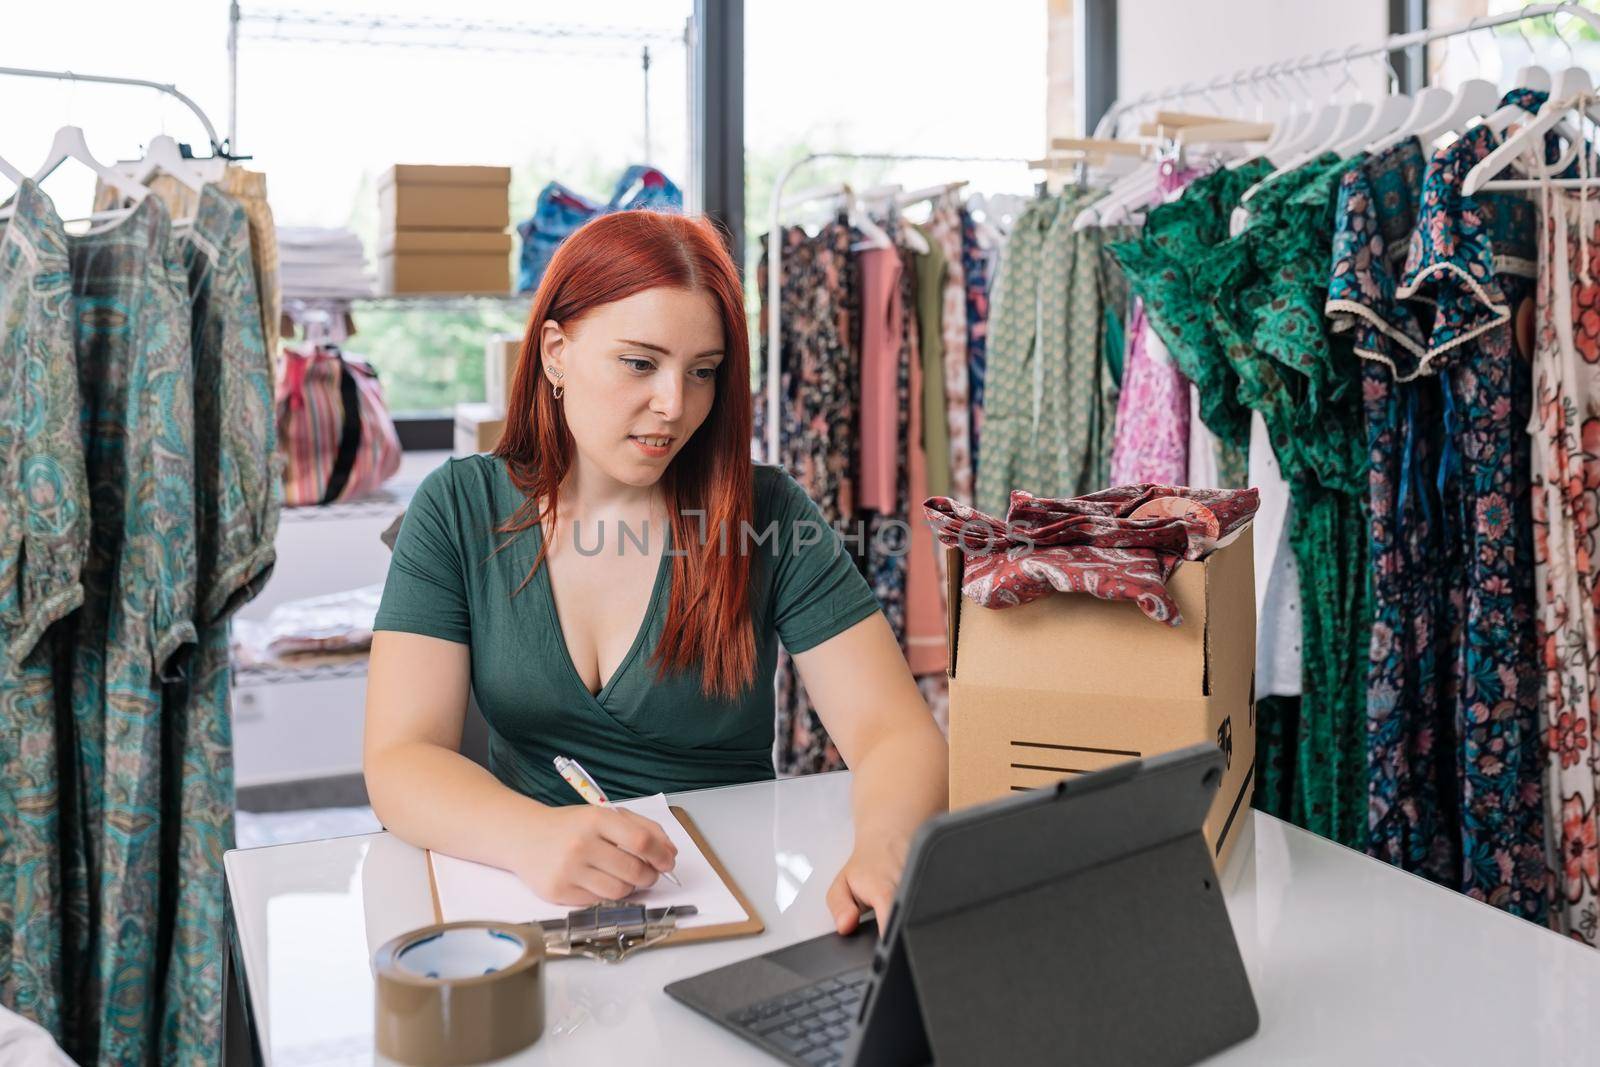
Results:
x,y
584,853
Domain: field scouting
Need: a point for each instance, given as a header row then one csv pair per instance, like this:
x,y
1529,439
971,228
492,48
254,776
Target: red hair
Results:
x,y
609,259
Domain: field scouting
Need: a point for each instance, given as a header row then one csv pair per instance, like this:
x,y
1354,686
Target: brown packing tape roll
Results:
x,y
459,993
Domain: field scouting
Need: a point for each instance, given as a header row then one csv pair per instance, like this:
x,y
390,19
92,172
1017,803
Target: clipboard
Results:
x,y
718,932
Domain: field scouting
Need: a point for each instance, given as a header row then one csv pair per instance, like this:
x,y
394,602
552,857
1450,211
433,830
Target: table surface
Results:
x,y
1351,960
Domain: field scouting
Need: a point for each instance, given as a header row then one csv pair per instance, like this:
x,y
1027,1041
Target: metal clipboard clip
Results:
x,y
611,930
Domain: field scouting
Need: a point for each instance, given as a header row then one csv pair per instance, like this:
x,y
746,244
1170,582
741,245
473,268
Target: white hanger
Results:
x,y
1334,125
1296,120
12,174
1528,138
1344,122
69,143
1324,122
1386,118
1260,77
1532,77
1296,124
885,195
876,236
1430,105
164,156
1574,81
932,192
1136,187
1474,97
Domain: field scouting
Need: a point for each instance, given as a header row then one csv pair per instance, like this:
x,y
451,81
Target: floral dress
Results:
x,y
1265,290
1417,602
1152,425
1042,394
818,416
1566,515
1159,267
1473,258
976,264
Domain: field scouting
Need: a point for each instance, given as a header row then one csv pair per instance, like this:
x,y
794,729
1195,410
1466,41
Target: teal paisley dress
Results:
x,y
237,503
136,382
44,540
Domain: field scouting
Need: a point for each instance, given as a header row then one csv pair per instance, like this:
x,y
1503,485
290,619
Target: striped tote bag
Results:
x,y
335,433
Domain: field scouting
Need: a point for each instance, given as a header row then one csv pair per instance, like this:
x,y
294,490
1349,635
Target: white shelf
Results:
x,y
388,501
353,666
437,301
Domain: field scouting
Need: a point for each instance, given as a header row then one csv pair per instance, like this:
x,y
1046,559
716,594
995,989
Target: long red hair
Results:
x,y
609,259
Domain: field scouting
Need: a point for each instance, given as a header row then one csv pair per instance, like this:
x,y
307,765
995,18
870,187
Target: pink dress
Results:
x,y
881,312
1151,442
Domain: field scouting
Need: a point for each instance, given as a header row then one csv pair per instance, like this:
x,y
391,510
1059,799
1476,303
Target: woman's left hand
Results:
x,y
868,879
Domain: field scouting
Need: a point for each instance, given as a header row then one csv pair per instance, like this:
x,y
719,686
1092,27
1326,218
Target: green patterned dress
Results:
x,y
1268,288
1043,396
1243,318
1160,268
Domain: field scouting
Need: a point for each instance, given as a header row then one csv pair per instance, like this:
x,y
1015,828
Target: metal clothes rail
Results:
x,y
217,147
775,264
303,26
1400,42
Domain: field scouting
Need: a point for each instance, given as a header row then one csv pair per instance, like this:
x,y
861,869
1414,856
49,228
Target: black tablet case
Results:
x,y
1081,924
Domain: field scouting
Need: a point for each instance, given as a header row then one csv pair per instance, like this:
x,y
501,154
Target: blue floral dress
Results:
x,y
1416,603
1474,258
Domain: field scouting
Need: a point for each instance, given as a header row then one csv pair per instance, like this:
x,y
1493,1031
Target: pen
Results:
x,y
589,789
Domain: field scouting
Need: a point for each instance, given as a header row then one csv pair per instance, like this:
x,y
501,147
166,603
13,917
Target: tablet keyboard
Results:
x,y
809,1025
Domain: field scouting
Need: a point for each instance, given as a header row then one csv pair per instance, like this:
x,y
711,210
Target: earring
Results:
x,y
556,389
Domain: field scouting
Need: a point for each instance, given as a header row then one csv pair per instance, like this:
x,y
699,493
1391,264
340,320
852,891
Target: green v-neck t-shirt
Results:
x,y
641,733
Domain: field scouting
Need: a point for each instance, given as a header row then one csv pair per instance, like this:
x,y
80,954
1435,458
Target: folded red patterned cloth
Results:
x,y
1118,544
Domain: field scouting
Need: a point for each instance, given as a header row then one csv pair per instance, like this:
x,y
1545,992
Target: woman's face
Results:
x,y
638,377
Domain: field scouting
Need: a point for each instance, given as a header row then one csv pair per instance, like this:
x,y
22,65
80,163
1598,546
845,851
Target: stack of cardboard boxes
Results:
x,y
443,230
479,426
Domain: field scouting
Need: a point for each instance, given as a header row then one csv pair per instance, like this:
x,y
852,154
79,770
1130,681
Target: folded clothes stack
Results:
x,y
334,623
1118,544
316,263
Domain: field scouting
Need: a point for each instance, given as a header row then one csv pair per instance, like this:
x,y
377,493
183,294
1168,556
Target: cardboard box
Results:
x,y
445,262
1070,684
478,428
413,197
500,368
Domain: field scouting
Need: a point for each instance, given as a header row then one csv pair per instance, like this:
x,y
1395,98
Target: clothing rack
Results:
x,y
218,148
302,26
1399,42
775,263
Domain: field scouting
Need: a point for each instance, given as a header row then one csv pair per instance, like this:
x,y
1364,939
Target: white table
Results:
x,y
1351,960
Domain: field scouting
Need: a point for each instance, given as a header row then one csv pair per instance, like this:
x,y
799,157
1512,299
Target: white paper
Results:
x,y
470,890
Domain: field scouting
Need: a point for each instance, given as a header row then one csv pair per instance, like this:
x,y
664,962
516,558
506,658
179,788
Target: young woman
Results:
x,y
613,583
